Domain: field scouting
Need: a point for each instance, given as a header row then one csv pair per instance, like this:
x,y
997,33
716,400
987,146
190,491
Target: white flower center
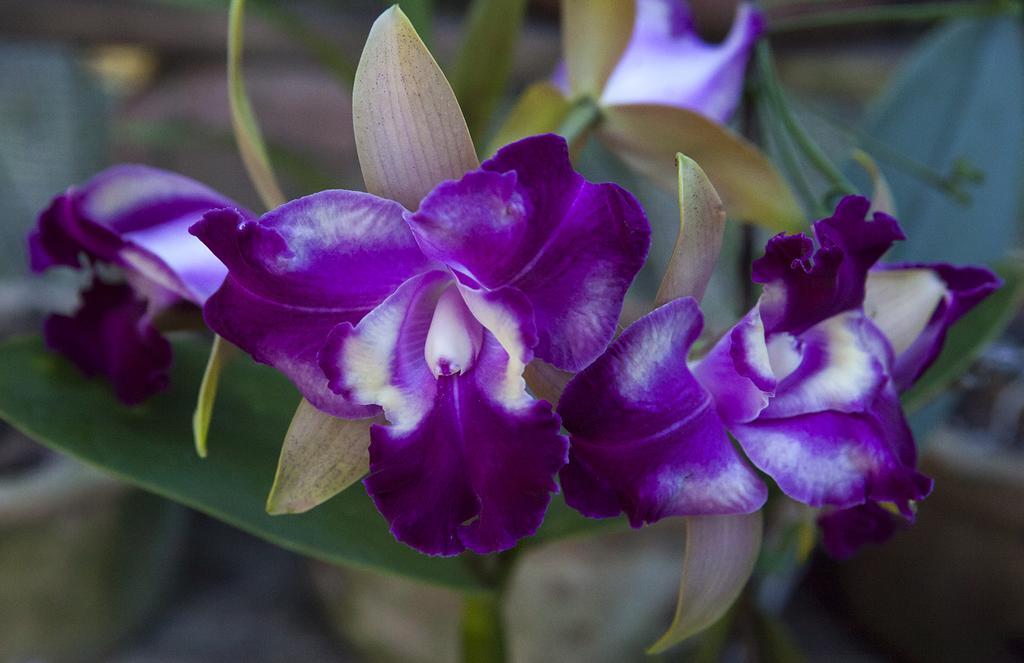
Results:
x,y
454,337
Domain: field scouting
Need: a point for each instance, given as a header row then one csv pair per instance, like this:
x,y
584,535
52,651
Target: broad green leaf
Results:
x,y
321,456
648,137
958,99
541,109
150,446
485,58
220,353
410,133
595,33
968,337
243,120
701,224
720,556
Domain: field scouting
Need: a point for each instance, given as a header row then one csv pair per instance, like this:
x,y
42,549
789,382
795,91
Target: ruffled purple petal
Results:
x,y
804,286
837,458
477,472
737,372
958,290
646,438
138,218
845,531
380,361
666,61
111,335
301,270
528,221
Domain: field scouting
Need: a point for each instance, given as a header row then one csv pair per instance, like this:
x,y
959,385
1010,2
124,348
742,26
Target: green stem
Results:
x,y
773,91
582,117
908,13
243,120
483,638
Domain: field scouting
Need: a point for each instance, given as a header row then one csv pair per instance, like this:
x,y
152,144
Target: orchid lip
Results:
x,y
454,338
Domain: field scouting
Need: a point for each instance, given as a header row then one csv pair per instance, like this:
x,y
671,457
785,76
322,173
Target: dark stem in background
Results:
x,y
483,627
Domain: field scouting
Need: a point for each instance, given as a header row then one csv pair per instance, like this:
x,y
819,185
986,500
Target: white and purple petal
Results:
x,y
297,272
111,335
135,217
915,304
528,221
477,471
803,286
667,62
646,437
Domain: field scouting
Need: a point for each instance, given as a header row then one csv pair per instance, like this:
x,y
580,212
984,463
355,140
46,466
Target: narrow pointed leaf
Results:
x,y
485,58
150,446
648,137
595,33
701,224
720,556
541,109
243,120
321,457
220,353
882,199
410,133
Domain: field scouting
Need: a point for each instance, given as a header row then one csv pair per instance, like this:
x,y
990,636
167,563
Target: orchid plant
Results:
x,y
454,331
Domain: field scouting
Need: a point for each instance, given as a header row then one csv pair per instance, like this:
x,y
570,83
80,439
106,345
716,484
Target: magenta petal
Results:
x,y
666,61
836,458
846,531
138,218
644,431
528,221
110,335
804,286
966,287
301,270
477,472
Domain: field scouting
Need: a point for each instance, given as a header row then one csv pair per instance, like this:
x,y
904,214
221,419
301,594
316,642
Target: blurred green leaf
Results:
x,y
968,337
541,109
960,96
485,59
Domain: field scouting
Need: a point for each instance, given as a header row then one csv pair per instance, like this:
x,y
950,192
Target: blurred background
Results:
x,y
91,570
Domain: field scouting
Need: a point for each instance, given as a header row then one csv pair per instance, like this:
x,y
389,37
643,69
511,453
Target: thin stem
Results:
x,y
806,144
582,117
483,633
908,13
247,131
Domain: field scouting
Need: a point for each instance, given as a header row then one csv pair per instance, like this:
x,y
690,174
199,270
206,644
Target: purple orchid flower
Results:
x,y
432,316
807,383
134,218
666,62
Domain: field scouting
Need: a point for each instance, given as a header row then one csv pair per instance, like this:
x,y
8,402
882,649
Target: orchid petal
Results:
x,y
738,372
845,531
410,132
915,305
571,247
668,63
492,457
321,457
138,218
299,271
646,438
648,136
836,458
701,224
111,335
595,34
804,286
381,360
719,559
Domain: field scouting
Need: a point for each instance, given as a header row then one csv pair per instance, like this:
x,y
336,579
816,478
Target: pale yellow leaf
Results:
x,y
545,381
595,33
882,199
541,109
220,353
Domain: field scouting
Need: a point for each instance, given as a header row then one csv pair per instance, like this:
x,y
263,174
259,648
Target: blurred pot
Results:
x,y
598,599
83,558
951,588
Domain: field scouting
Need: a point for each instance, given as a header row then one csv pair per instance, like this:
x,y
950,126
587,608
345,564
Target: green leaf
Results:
x,y
220,354
151,446
958,98
968,337
485,59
